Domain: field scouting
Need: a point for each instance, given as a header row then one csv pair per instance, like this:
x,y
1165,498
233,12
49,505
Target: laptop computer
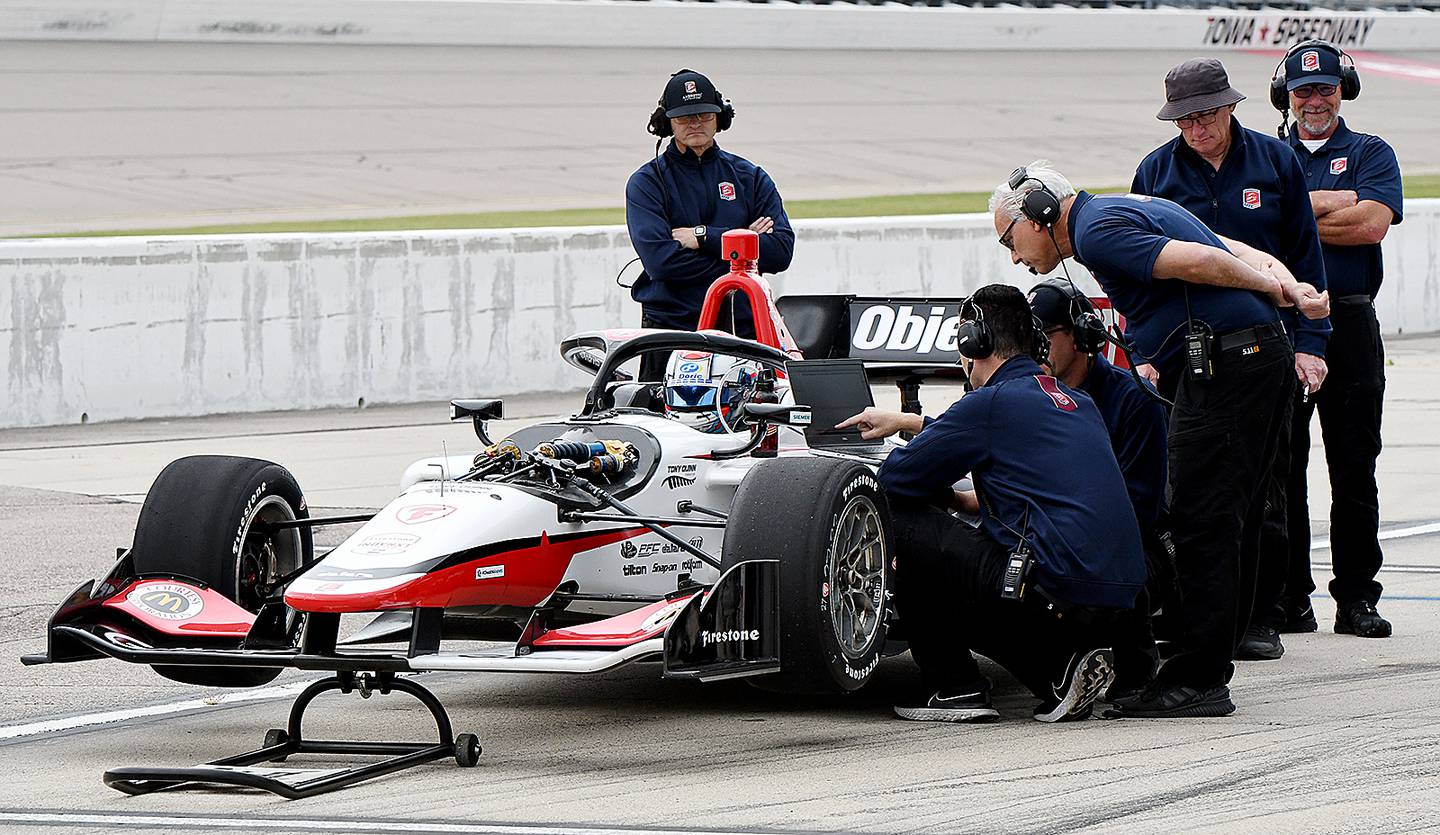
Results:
x,y
834,390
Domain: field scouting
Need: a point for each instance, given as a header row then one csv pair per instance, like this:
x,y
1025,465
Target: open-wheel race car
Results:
x,y
722,548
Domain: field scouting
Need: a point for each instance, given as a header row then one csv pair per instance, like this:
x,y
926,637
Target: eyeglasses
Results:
x,y
1204,118
1322,90
695,118
1005,239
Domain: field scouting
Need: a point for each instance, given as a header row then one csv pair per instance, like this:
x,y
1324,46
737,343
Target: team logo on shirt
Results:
x,y
1337,165
1310,61
689,86
1250,198
1062,400
727,191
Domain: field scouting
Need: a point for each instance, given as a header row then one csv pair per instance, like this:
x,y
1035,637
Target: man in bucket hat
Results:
x,y
1249,187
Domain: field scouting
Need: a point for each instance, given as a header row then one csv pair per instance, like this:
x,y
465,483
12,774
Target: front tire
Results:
x,y
828,523
199,521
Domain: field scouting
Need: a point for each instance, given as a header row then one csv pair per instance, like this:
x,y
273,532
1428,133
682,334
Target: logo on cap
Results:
x,y
689,86
1310,61
1250,197
1337,166
727,191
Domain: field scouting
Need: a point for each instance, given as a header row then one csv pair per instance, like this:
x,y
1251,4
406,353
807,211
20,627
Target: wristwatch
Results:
x,y
699,234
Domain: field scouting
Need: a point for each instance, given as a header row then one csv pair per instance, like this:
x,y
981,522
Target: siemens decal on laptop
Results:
x,y
834,390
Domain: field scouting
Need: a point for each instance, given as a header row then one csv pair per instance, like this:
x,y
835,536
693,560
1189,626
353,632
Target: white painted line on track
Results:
x,y
347,825
1393,533
109,716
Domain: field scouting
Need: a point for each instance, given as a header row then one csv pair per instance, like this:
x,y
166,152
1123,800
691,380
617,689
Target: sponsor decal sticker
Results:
x,y
489,572
628,549
663,616
1250,198
727,191
1310,61
729,636
416,514
924,332
1337,165
675,482
384,543
167,601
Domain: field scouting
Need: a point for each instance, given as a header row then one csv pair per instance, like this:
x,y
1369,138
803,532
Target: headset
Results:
x,y
660,123
1086,325
976,341
1040,205
1349,77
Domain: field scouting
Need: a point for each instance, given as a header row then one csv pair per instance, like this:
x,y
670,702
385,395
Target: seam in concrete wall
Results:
x,y
125,328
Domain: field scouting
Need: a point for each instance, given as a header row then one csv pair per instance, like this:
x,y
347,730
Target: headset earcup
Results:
x,y
1279,96
1039,340
1089,333
1349,83
659,125
1041,206
973,339
726,117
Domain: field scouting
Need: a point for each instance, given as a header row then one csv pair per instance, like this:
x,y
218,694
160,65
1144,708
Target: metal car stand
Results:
x,y
294,783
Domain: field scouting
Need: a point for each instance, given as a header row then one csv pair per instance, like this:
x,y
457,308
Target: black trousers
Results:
x,y
947,580
1272,574
1350,405
1223,435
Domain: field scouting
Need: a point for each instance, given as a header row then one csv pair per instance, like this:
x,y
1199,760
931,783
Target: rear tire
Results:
x,y
198,521
828,523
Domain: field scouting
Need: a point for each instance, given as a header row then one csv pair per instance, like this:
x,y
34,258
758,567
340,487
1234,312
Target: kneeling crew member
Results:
x,y
1135,419
1053,510
679,204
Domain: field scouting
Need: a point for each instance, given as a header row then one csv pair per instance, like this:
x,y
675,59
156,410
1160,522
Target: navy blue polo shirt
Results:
x,y
1366,165
1040,459
719,190
1139,434
1258,196
1119,236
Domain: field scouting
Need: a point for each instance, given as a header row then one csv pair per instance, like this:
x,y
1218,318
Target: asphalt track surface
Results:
x,y
1338,736
107,136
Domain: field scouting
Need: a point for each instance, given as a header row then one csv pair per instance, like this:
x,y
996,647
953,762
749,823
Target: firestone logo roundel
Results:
x,y
1338,165
416,514
727,191
1310,61
689,86
167,601
1250,197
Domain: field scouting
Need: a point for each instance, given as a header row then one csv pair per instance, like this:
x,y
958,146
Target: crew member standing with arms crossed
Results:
x,y
1355,191
679,204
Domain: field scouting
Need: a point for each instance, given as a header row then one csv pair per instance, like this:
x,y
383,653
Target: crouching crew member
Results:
x,y
1208,320
1135,419
1057,554
679,204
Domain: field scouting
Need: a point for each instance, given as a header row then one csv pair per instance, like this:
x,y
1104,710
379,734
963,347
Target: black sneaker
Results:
x,y
1165,701
1360,618
1300,620
1261,643
956,705
1121,693
1085,678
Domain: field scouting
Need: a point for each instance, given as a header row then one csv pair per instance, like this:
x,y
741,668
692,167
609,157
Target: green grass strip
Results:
x,y
956,202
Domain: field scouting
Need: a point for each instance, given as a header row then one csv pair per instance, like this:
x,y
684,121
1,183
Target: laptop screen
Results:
x,y
834,390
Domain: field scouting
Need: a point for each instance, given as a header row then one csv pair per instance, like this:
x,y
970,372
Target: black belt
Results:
x,y
1250,336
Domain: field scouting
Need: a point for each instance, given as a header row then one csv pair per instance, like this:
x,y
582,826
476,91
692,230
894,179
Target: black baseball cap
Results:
x,y
687,93
1312,65
1054,302
1197,85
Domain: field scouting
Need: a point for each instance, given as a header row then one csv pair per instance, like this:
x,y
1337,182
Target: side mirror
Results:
x,y
785,414
478,411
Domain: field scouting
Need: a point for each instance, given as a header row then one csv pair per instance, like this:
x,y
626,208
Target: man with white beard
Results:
x,y
1355,191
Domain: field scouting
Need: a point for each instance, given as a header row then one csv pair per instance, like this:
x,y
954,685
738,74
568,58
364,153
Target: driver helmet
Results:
x,y
705,391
